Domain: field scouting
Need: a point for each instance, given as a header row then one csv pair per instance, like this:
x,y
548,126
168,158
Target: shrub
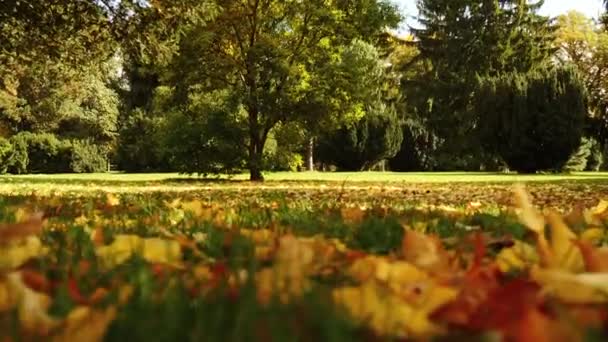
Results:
x,y
208,143
19,160
86,157
140,142
533,121
580,158
6,151
45,153
376,137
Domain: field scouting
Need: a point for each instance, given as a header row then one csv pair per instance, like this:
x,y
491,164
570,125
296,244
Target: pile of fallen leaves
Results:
x,y
200,274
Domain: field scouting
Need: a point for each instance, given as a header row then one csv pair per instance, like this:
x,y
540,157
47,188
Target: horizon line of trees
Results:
x,y
206,86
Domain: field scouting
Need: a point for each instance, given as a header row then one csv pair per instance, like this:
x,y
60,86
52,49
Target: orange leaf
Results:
x,y
424,251
596,260
13,231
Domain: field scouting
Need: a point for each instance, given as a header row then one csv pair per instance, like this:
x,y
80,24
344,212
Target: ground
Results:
x,y
306,256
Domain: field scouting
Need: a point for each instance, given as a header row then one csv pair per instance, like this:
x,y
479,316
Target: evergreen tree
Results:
x,y
534,121
464,39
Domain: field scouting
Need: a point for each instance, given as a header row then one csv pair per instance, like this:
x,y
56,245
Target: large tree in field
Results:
x,y
285,61
583,44
464,39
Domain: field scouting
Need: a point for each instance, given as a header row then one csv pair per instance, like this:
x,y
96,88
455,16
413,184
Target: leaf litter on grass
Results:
x,y
161,267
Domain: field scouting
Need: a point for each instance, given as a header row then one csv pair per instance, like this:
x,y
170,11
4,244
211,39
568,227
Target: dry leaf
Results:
x,y
151,249
15,231
86,324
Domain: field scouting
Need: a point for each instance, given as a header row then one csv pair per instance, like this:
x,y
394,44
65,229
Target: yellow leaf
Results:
x,y
389,315
31,306
600,208
566,255
259,236
196,208
86,324
593,235
584,288
561,252
152,249
520,256
289,276
16,253
379,268
112,200
528,215
7,299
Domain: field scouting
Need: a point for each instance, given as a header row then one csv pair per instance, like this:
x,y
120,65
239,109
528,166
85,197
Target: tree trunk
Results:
x,y
256,150
310,162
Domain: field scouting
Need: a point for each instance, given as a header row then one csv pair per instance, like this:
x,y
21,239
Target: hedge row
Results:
x,y
45,153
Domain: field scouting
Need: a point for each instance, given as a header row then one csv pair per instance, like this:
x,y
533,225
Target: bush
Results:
x,y
45,153
6,151
376,137
534,121
19,160
580,158
86,157
140,144
209,143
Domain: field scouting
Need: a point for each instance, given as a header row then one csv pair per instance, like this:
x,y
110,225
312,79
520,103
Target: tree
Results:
x,y
584,45
282,60
534,121
461,40
53,68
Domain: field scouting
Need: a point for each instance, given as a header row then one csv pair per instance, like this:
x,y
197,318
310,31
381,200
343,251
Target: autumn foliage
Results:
x,y
186,268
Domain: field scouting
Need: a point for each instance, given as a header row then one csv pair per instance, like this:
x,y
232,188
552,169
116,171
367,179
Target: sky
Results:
x,y
592,8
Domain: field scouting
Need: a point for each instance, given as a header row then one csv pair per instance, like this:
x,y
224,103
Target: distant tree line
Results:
x,y
206,86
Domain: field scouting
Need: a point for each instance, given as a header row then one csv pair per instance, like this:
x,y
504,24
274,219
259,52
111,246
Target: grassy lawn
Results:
x,y
398,177
304,256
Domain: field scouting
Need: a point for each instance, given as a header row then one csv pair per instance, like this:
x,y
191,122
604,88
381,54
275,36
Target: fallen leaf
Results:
x,y
85,324
151,249
584,288
424,251
18,252
14,231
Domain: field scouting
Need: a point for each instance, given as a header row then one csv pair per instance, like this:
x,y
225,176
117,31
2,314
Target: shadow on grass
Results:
x,y
480,178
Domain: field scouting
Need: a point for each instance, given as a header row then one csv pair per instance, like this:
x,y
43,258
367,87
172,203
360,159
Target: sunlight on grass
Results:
x,y
422,177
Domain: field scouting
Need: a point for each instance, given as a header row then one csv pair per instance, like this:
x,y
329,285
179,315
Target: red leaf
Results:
x,y
35,280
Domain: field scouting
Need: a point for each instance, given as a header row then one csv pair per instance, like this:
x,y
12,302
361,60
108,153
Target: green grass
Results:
x,y
164,308
419,177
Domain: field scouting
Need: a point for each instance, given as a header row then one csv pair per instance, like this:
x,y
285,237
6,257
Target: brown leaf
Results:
x,y
424,251
13,231
596,260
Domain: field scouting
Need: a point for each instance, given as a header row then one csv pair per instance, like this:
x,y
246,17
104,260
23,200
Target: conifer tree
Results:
x,y
466,39
534,121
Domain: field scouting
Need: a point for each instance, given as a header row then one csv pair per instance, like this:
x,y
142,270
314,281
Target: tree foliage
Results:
x,y
534,121
584,45
461,40
362,145
284,60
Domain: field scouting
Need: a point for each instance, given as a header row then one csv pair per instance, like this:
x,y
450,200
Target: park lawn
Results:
x,y
371,256
398,177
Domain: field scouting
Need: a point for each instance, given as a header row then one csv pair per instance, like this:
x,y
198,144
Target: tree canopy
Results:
x,y
201,86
